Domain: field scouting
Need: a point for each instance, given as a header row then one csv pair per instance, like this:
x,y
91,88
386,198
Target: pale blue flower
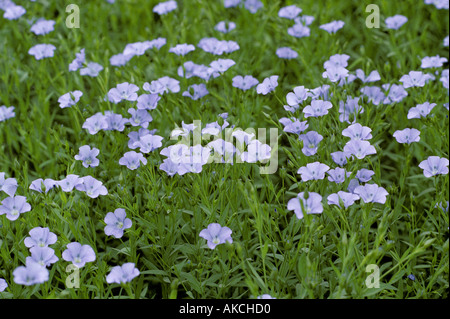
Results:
x,y
296,127
88,156
182,49
357,132
301,205
44,256
14,12
407,135
132,160
31,274
123,91
6,113
92,69
311,142
372,77
268,85
364,175
221,65
225,27
317,108
78,254
69,99
78,62
116,223
162,85
434,165
415,79
244,83
196,91
347,199
122,274
216,235
359,148
338,175
298,96
340,158
313,171
371,193
420,110
8,185
299,30
395,22
48,184
289,12
333,26
433,62
40,237
165,7
286,53
148,101
13,206
41,51
139,117
253,5
3,285
92,187
42,26
95,123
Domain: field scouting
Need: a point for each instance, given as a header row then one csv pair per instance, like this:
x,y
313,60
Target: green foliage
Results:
x,y
320,256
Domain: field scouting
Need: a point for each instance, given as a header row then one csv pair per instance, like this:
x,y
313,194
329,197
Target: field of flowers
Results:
x,y
224,149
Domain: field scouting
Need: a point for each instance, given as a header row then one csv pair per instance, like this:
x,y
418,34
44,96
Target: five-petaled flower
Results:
x,y
92,187
311,142
347,199
371,193
268,85
41,237
434,165
88,156
215,235
69,99
313,171
3,284
310,205
407,135
116,223
123,91
395,22
13,206
122,274
41,51
31,274
132,160
78,254
8,185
